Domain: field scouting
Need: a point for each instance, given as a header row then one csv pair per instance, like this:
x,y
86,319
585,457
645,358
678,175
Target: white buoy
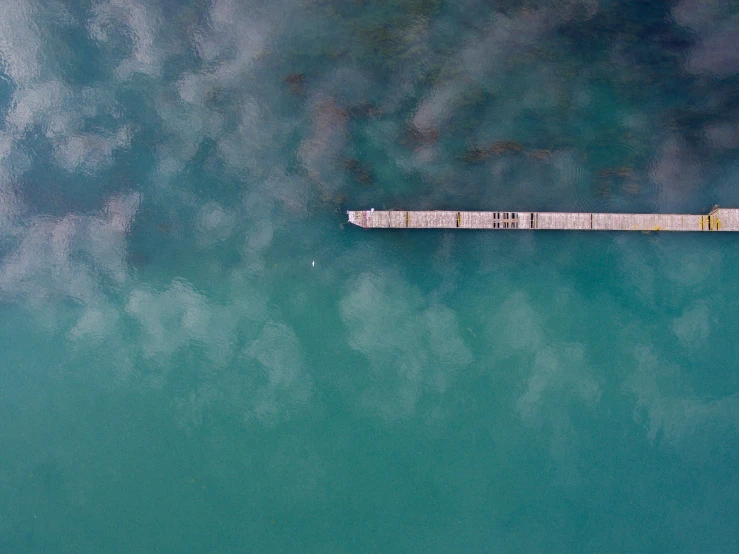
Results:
x,y
314,263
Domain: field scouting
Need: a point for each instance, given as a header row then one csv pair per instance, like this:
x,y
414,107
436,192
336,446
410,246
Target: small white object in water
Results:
x,y
314,263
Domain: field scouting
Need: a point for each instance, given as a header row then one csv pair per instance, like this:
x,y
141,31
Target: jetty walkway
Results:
x,y
720,219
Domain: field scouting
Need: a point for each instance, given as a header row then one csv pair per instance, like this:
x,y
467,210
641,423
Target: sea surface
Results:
x,y
199,354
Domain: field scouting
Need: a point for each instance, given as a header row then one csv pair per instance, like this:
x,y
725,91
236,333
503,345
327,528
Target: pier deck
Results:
x,y
720,219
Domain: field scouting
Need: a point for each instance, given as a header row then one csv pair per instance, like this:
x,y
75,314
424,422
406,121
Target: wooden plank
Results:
x,y
476,220
563,220
524,220
720,219
728,219
380,220
433,220
399,219
647,222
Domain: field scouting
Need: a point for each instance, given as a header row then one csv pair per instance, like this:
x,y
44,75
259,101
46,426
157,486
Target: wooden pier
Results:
x,y
720,219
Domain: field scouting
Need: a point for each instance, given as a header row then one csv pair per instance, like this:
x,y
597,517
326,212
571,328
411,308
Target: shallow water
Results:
x,y
177,375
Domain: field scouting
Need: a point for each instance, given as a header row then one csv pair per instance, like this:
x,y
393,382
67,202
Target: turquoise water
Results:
x,y
176,375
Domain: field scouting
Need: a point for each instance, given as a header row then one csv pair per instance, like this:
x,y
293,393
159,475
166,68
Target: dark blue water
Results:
x,y
176,375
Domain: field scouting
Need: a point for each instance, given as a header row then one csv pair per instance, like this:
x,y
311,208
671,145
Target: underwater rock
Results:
x,y
296,82
540,154
317,152
364,109
620,171
421,137
476,154
505,147
216,97
138,259
359,171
